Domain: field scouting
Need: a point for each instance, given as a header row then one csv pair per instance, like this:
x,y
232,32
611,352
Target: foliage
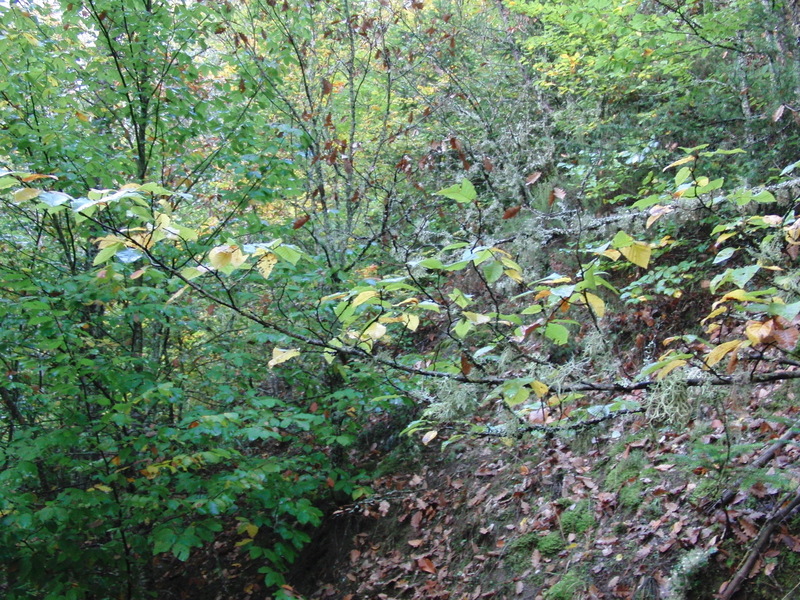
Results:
x,y
237,235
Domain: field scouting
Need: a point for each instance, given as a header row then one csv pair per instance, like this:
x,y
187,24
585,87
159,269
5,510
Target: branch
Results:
x,y
732,585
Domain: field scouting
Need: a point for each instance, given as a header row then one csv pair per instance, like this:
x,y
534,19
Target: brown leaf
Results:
x,y
479,497
466,365
426,565
786,338
36,176
416,519
415,543
354,555
301,221
512,212
327,87
487,165
776,116
533,178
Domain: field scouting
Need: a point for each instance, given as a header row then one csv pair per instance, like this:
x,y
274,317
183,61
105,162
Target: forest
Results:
x,y
399,299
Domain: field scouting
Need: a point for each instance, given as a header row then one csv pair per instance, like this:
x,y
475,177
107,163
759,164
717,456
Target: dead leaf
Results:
x,y
512,212
479,497
301,221
426,565
327,87
466,365
415,543
533,178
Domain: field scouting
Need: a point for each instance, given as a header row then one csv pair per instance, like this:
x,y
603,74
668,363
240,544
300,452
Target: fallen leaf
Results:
x,y
512,212
426,565
533,178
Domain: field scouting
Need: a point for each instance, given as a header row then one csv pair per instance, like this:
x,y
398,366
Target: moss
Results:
x,y
578,519
518,552
551,544
625,470
630,496
567,588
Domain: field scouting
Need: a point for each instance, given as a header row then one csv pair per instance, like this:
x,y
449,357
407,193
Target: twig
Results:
x,y
759,462
733,584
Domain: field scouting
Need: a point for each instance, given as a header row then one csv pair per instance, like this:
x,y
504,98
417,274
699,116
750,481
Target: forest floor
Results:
x,y
623,509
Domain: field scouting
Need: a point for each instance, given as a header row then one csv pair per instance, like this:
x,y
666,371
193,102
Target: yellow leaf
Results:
x,y
398,319
724,236
718,353
251,530
597,304
638,253
739,294
610,253
515,275
477,318
407,301
23,194
109,240
758,332
669,367
226,256
656,212
682,161
266,263
411,321
177,294
665,241
428,437
555,281
363,297
375,331
539,388
280,355
714,313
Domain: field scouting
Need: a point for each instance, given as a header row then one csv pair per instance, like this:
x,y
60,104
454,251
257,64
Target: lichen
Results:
x,y
686,571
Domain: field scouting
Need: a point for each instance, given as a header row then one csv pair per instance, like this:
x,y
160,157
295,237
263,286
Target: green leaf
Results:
x,y
107,253
288,253
622,240
724,255
557,333
463,193
462,328
493,271
682,175
647,202
431,263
